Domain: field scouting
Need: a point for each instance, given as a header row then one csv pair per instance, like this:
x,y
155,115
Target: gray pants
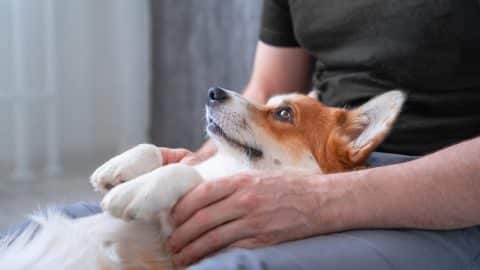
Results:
x,y
362,249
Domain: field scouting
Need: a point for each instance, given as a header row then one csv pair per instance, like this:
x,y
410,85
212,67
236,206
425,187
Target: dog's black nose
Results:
x,y
217,94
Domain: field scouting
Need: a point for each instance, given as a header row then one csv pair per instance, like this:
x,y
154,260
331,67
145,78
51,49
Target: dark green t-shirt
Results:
x,y
429,48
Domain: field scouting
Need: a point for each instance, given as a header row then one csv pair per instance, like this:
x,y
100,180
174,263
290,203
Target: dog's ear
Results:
x,y
314,94
368,125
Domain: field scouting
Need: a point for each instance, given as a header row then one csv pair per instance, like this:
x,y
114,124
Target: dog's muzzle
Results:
x,y
217,95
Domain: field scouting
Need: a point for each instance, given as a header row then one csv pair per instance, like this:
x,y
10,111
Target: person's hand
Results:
x,y
174,155
207,150
246,211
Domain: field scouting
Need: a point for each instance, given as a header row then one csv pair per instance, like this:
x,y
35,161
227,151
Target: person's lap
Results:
x,y
363,249
366,249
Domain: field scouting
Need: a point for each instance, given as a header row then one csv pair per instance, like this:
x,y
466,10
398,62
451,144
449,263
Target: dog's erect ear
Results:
x,y
368,125
314,94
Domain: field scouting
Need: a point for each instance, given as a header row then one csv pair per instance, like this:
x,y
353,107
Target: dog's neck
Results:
x,y
223,163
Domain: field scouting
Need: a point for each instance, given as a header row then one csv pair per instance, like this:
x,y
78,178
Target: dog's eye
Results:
x,y
284,115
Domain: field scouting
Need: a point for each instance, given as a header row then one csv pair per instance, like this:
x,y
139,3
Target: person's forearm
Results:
x,y
439,191
278,70
256,94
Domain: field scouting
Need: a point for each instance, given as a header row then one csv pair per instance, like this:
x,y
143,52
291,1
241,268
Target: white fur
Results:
x,y
232,117
378,115
140,159
137,211
63,243
151,196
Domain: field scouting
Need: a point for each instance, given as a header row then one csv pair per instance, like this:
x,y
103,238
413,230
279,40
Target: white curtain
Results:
x,y
74,83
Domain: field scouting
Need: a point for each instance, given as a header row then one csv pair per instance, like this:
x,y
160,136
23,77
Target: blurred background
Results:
x,y
83,80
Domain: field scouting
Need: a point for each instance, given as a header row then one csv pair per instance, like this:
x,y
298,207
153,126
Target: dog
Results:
x,y
293,132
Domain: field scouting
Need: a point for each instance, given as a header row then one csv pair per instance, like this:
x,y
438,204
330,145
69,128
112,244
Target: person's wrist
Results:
x,y
339,202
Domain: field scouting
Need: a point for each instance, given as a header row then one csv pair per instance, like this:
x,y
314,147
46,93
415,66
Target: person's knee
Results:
x,y
232,259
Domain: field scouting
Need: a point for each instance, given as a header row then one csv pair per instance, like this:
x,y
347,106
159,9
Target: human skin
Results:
x,y
440,191
255,209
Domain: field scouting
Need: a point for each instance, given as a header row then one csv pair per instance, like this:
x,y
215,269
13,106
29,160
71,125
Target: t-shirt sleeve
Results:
x,y
277,27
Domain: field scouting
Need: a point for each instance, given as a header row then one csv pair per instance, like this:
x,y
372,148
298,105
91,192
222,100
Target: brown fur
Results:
x,y
324,131
328,133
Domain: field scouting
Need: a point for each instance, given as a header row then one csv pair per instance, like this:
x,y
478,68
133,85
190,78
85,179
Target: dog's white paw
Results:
x,y
141,159
151,196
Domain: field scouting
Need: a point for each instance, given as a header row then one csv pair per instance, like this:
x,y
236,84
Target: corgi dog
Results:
x,y
291,132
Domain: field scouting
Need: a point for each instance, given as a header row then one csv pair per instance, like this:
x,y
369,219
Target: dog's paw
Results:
x,y
151,196
141,159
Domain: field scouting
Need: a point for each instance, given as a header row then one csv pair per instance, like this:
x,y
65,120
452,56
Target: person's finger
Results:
x,y
213,241
207,150
202,221
248,243
173,155
200,197
191,160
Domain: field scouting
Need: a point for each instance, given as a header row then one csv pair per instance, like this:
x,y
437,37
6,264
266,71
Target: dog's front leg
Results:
x,y
151,196
132,163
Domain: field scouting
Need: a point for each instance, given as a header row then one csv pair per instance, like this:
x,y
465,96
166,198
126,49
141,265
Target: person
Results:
x,y
412,213
419,214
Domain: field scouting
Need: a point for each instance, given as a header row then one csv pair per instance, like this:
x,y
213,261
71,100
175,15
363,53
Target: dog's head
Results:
x,y
297,131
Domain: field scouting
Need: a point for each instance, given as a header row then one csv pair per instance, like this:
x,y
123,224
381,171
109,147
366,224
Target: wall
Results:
x,y
103,56
196,45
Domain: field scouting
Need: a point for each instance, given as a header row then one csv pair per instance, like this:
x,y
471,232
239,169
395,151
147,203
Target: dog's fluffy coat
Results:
x,y
309,137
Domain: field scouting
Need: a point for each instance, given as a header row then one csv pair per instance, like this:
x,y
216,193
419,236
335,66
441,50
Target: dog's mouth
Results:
x,y
250,151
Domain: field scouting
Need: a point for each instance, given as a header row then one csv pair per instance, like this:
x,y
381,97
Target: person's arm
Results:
x,y
276,70
438,191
